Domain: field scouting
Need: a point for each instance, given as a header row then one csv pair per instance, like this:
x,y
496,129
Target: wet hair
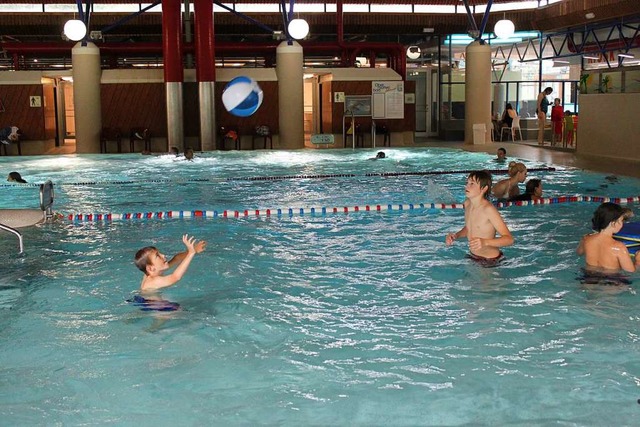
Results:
x,y
141,260
508,107
484,179
503,150
516,167
380,155
531,185
606,214
548,90
15,176
174,150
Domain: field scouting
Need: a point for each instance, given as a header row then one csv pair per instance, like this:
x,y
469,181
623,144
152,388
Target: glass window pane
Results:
x,y
632,81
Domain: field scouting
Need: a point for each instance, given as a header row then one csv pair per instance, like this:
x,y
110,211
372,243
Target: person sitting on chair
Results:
x,y
508,116
9,134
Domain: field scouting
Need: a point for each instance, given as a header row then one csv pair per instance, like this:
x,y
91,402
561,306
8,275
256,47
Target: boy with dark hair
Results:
x,y
482,222
601,250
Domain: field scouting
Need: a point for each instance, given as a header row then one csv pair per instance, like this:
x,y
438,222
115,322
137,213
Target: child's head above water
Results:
x,y
143,257
483,178
608,213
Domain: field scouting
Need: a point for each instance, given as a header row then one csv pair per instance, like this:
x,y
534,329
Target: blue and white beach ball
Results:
x,y
242,96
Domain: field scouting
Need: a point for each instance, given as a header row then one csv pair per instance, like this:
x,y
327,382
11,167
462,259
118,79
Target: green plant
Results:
x,y
584,79
604,84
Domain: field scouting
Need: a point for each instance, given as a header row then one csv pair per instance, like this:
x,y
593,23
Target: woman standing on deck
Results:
x,y
541,110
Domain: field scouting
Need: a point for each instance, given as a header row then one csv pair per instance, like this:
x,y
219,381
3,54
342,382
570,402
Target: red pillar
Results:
x,y
204,41
173,71
205,71
172,41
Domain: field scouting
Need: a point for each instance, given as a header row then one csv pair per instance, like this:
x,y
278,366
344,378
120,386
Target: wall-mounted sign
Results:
x,y
388,100
338,97
35,101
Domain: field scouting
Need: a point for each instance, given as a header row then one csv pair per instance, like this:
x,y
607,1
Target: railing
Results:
x,y
16,233
353,128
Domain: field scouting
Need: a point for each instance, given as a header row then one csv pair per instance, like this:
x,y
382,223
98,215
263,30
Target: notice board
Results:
x,y
388,99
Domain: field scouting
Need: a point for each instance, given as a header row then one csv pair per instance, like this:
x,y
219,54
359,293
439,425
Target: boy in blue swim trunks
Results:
x,y
482,222
153,264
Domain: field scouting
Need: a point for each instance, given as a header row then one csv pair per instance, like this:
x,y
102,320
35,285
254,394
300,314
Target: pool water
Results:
x,y
364,318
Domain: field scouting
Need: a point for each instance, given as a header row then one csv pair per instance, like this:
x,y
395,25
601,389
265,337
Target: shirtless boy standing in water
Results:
x,y
482,221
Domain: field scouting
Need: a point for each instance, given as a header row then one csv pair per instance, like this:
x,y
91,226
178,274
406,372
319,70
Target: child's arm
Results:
x,y
580,248
158,282
177,259
451,237
624,258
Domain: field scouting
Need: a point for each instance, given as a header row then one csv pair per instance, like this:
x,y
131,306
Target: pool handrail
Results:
x,y
17,234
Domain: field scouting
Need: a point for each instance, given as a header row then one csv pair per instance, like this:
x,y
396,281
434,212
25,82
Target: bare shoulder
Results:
x,y
619,246
148,283
489,207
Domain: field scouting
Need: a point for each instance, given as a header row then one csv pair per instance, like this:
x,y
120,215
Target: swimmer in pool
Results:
x,y
602,252
379,155
482,222
153,264
502,155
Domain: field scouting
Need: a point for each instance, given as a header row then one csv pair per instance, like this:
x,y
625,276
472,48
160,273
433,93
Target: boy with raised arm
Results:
x,y
482,222
153,264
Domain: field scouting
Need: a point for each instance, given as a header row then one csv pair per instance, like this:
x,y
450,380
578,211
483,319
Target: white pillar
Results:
x,y
206,92
86,72
175,118
498,98
477,90
289,69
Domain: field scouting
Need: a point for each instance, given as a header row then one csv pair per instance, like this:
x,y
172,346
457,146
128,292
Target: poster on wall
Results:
x,y
388,99
359,105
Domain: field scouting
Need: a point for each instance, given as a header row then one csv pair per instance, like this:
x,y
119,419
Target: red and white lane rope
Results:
x,y
322,211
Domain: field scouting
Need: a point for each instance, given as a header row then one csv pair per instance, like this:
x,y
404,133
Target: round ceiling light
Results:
x,y
75,30
298,28
413,52
504,29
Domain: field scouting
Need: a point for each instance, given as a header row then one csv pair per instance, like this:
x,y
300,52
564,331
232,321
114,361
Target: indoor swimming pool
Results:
x,y
309,317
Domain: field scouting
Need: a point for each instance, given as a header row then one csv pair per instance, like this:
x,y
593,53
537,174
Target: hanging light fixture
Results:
x,y
298,28
75,29
413,52
504,29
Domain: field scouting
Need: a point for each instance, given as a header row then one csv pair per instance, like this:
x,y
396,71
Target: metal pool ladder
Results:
x,y
46,201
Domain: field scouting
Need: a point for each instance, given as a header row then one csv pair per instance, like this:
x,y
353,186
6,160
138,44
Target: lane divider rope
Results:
x,y
278,178
324,211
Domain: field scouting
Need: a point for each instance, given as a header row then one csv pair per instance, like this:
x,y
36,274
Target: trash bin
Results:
x,y
479,133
